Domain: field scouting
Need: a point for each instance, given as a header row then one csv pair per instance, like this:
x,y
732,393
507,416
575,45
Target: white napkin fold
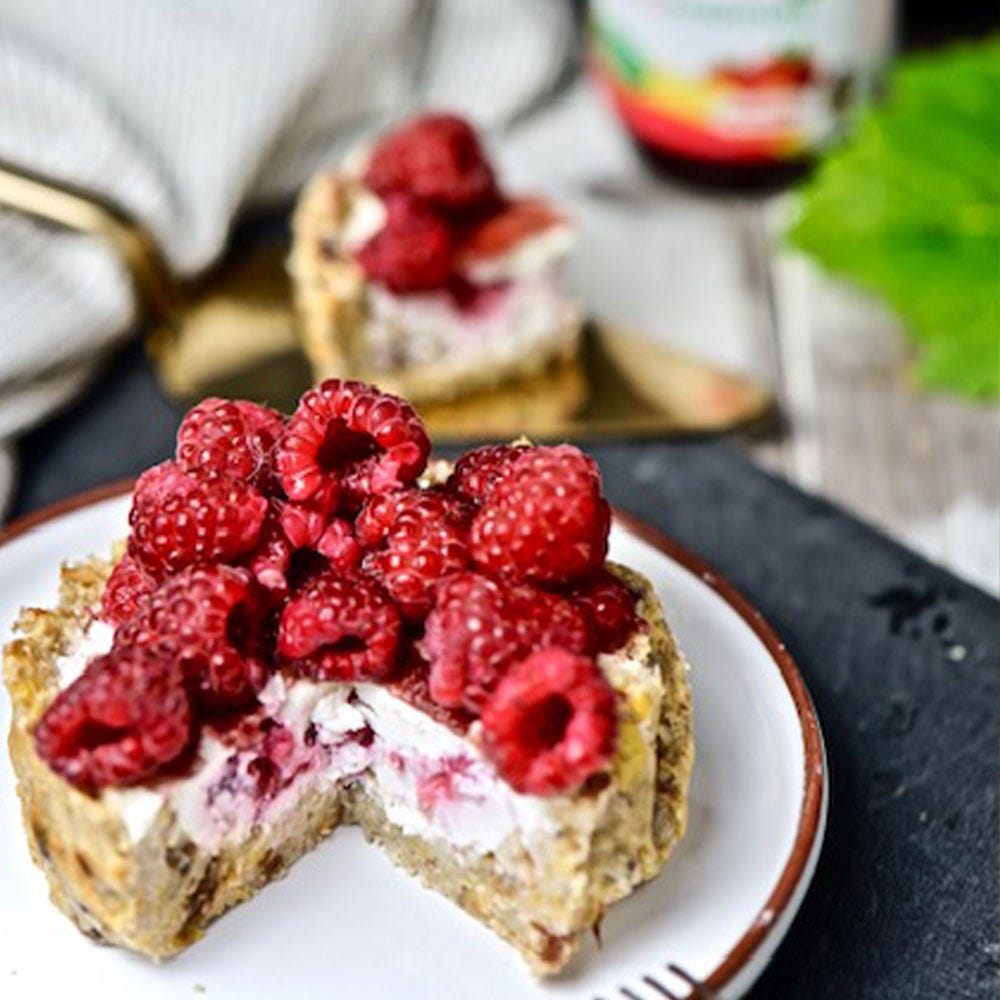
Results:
x,y
185,112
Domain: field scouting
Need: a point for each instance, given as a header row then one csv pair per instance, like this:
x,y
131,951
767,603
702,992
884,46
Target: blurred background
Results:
x,y
801,213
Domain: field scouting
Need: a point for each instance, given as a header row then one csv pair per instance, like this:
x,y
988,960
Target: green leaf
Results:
x,y
909,209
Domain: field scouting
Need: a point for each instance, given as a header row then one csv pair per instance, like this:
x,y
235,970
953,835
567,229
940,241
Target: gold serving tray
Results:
x,y
237,337
233,333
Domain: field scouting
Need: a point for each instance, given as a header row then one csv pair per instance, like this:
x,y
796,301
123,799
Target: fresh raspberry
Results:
x,y
550,724
410,682
270,559
210,620
476,471
234,436
159,482
544,520
303,523
339,545
346,441
382,514
123,719
422,536
179,519
291,528
436,157
126,591
479,627
411,252
498,232
609,608
339,628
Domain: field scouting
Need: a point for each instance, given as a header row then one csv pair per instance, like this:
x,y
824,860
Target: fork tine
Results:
x,y
701,991
626,992
660,988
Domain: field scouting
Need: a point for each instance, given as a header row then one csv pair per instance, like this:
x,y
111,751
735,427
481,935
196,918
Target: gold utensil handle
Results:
x,y
84,212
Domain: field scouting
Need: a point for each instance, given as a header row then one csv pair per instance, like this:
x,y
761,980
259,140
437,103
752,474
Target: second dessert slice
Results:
x,y
413,269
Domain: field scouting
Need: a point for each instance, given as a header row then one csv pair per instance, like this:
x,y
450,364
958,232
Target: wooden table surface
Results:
x,y
709,274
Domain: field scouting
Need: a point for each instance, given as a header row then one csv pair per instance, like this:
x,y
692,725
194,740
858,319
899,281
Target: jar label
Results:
x,y
734,80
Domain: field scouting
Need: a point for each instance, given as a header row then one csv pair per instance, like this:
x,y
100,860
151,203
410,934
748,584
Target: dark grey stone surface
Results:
x,y
901,659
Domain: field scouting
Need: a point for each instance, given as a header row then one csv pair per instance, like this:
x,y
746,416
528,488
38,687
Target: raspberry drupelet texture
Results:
x,y
477,470
181,518
293,528
544,520
122,720
609,609
437,157
383,514
339,628
271,558
233,436
307,545
417,538
126,591
412,251
159,482
479,627
210,621
550,724
347,441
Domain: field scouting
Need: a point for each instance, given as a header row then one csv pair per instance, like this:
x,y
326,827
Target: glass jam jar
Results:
x,y
739,93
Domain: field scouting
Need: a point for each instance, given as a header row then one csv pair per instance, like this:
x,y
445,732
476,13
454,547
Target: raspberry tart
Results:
x,y
414,270
309,626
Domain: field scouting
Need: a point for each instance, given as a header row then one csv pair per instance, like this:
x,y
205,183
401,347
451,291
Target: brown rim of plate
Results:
x,y
812,799
812,743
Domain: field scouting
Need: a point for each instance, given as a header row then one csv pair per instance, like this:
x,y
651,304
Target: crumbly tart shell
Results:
x,y
157,896
330,300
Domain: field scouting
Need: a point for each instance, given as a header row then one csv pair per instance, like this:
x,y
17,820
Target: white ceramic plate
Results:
x,y
346,924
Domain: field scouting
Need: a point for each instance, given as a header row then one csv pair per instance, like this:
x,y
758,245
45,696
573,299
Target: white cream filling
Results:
x,y
527,311
509,323
538,254
95,641
428,779
366,217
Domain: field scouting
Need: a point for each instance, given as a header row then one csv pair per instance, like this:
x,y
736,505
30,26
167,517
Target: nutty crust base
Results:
x,y
158,896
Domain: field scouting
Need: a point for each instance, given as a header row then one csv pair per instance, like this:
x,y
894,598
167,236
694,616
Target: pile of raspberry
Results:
x,y
436,184
305,545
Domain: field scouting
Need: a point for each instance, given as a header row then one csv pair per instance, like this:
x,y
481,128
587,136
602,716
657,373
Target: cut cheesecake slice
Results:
x,y
483,306
149,867
308,625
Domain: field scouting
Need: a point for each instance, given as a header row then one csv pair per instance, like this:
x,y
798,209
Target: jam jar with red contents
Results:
x,y
737,93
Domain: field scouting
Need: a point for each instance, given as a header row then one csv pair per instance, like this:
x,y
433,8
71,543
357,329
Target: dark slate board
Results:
x,y
901,659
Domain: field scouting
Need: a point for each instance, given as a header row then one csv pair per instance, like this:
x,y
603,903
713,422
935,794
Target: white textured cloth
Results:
x,y
185,111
